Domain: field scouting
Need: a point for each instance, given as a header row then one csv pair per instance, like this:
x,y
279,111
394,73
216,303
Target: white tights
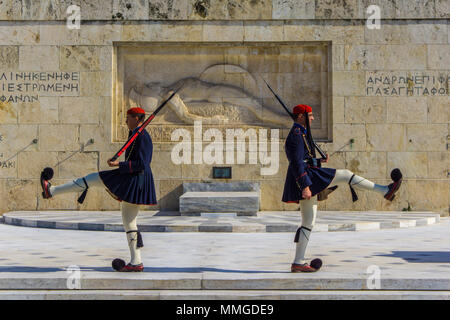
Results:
x,y
93,180
309,208
129,210
344,176
129,217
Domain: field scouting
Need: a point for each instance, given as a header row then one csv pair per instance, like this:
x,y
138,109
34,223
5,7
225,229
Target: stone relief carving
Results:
x,y
211,98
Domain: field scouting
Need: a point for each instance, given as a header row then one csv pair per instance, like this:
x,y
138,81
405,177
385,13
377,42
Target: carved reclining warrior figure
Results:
x,y
211,100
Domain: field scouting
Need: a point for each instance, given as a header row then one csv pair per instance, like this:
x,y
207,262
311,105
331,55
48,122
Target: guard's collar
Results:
x,y
302,128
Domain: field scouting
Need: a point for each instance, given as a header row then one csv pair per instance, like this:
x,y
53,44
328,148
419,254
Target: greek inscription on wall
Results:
x,y
29,86
5,164
407,84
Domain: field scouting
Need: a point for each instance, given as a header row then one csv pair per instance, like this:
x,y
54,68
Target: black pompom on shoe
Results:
x,y
46,175
397,177
118,264
316,263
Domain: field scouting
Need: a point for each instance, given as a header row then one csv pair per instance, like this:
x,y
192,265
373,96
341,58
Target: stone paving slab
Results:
x,y
408,259
265,221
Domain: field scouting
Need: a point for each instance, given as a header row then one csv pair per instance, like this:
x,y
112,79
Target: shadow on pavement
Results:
x,y
420,256
29,269
146,269
202,269
49,269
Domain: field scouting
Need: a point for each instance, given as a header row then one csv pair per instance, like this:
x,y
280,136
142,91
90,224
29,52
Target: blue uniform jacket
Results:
x,y
300,174
133,181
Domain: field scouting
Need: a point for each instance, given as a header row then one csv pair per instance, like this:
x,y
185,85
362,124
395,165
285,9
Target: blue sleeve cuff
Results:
x,y
303,181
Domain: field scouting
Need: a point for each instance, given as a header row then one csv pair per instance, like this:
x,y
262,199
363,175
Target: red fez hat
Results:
x,y
136,111
301,108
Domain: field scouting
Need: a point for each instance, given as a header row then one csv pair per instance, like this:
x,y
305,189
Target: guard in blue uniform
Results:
x,y
302,171
306,180
132,184
133,181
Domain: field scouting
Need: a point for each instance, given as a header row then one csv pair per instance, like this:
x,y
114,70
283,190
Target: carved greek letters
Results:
x,y
28,86
404,84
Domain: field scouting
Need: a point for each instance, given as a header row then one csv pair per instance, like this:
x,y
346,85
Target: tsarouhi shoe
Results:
x,y
397,177
46,175
132,268
302,268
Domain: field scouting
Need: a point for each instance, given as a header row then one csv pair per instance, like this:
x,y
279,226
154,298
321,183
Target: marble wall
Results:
x,y
387,90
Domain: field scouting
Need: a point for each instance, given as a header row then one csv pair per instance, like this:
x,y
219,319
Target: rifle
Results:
x,y
311,141
146,122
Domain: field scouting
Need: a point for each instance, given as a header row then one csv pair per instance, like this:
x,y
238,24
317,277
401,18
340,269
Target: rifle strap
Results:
x,y
307,145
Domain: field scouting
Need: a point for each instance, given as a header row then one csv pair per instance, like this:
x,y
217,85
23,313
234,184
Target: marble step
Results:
x,y
212,281
222,295
264,221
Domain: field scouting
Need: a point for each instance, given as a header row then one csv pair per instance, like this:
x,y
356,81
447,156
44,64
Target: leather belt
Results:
x,y
311,162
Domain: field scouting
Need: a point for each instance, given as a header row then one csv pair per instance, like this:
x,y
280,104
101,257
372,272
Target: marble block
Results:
x,y
243,203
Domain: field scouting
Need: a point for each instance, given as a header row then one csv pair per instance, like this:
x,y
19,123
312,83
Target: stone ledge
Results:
x,y
215,281
316,282
264,221
241,198
222,295
243,203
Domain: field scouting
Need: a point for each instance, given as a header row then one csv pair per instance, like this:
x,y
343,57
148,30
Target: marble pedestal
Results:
x,y
241,198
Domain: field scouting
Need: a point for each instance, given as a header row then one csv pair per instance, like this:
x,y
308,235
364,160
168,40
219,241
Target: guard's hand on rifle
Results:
x,y
306,193
325,160
113,163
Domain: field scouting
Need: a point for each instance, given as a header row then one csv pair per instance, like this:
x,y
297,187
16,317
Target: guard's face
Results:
x,y
302,119
132,122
